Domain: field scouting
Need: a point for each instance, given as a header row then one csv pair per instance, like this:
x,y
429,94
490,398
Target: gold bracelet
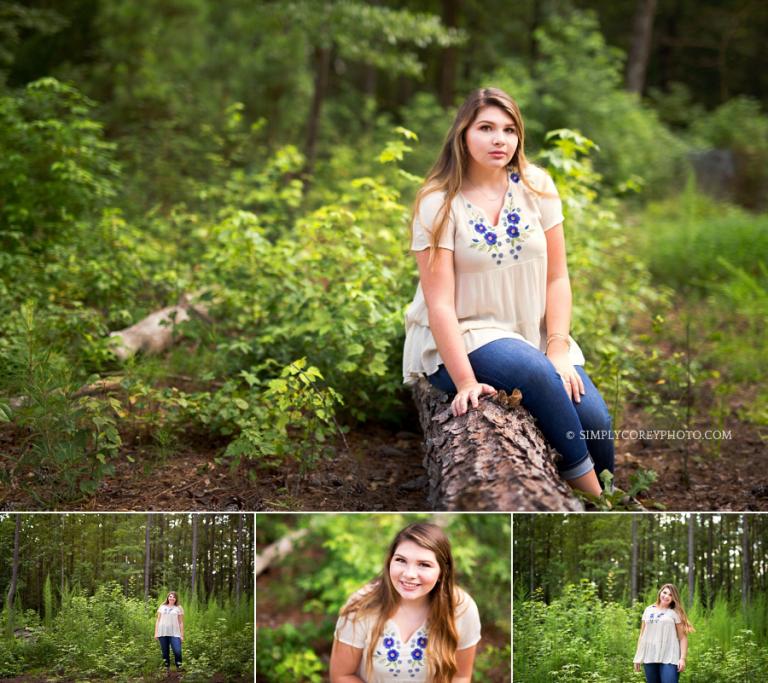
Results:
x,y
557,335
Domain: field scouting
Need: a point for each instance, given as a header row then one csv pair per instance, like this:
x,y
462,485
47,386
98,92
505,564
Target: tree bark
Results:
x,y
193,586
278,550
450,18
147,555
639,51
239,558
633,571
15,567
746,561
491,458
691,559
152,335
322,68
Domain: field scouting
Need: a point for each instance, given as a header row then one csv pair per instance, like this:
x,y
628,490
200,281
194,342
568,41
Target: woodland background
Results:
x,y
583,581
254,162
80,592
326,558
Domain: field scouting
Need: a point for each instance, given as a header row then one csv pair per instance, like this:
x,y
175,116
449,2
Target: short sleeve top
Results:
x,y
659,643
169,620
394,659
500,271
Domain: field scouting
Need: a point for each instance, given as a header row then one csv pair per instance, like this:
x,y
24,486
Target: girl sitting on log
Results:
x,y
411,622
493,306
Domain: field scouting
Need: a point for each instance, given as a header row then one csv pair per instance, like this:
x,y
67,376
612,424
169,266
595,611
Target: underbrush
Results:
x,y
713,256
107,636
579,638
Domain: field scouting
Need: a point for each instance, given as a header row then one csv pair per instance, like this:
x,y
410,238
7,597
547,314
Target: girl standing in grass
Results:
x,y
411,622
169,629
493,306
663,643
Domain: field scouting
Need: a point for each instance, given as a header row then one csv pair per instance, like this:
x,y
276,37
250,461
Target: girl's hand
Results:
x,y
572,382
637,667
681,665
469,394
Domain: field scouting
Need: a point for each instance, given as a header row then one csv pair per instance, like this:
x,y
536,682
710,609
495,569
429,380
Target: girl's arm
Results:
x,y
638,665
439,286
558,311
465,660
181,625
345,661
157,623
682,636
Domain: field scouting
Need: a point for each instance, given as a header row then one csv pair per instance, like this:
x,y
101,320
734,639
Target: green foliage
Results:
x,y
107,636
578,637
71,439
56,166
286,653
576,82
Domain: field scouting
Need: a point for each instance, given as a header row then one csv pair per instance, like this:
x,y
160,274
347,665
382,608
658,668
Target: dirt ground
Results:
x,y
381,469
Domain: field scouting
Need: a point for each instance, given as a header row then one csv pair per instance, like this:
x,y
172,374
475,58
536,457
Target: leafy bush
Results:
x,y
579,638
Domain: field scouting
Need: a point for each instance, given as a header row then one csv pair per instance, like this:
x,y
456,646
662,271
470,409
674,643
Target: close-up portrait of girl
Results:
x,y
492,310
411,622
662,647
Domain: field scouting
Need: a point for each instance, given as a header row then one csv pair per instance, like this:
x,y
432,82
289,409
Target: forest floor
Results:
x,y
382,470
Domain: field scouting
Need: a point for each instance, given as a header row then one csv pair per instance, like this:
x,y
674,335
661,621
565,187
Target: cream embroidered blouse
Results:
x,y
397,660
659,643
500,272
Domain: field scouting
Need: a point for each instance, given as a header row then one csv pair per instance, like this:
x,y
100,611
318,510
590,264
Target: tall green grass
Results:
x,y
578,638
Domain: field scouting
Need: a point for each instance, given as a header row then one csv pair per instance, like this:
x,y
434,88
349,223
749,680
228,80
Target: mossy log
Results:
x,y
492,458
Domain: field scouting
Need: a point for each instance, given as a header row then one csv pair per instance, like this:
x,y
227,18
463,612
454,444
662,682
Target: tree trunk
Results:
x,y
633,569
691,559
746,561
152,335
639,51
193,587
147,555
278,550
491,458
239,558
322,69
450,17
15,566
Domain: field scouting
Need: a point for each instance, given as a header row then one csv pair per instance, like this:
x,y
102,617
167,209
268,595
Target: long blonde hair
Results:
x,y
677,605
382,599
447,174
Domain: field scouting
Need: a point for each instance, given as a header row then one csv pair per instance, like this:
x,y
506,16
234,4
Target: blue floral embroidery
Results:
x,y
515,233
399,665
515,177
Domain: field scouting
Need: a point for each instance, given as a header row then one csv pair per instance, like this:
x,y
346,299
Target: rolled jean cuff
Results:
x,y
579,469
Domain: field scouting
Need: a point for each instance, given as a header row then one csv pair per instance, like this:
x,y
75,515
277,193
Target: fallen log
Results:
x,y
276,551
491,458
155,333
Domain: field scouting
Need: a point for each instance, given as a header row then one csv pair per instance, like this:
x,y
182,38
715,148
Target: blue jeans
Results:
x,y
511,363
174,643
661,673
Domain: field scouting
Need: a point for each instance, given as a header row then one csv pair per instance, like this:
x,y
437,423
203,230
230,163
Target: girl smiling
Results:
x,y
411,622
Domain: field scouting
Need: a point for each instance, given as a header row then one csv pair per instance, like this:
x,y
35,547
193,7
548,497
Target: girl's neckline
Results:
x,y
507,192
407,640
